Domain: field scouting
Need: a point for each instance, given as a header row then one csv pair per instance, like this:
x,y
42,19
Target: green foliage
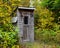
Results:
x,y
46,35
53,5
25,3
46,21
7,27
8,38
43,18
7,10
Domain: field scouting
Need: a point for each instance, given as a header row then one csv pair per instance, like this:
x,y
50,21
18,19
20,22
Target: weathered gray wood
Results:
x,y
26,31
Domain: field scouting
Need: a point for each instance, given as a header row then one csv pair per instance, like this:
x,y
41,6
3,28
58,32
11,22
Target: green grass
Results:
x,y
37,45
41,45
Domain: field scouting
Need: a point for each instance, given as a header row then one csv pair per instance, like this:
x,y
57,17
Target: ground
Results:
x,y
41,45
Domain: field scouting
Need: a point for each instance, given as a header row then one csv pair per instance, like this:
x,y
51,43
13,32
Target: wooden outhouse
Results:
x,y
26,24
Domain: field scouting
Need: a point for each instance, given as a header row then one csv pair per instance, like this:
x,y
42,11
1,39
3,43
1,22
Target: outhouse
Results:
x,y
26,24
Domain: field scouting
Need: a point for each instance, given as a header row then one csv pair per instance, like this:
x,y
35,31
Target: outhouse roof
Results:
x,y
25,8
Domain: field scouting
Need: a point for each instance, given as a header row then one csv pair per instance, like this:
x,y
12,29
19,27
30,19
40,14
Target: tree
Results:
x,y
53,5
44,18
7,8
25,3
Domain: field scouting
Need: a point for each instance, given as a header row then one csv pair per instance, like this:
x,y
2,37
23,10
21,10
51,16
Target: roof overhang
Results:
x,y
25,8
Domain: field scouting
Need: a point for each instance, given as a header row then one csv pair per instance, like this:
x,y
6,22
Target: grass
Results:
x,y
41,45
37,45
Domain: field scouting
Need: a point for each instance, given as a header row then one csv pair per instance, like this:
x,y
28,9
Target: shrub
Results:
x,y
57,38
45,35
8,38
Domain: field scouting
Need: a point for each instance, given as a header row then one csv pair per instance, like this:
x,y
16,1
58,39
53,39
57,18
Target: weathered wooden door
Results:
x,y
25,28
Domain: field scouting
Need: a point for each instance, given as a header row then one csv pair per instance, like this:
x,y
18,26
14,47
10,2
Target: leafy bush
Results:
x,y
7,27
57,37
8,35
8,38
47,35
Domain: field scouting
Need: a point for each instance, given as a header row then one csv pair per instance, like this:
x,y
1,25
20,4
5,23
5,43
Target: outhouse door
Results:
x,y
25,28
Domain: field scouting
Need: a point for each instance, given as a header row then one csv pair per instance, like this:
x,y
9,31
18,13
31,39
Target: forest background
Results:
x,y
47,20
